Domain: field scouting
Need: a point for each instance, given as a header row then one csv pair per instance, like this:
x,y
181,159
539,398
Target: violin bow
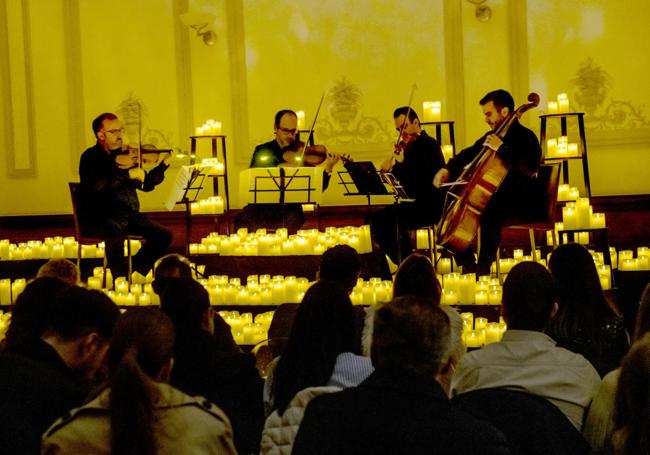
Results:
x,y
408,111
311,130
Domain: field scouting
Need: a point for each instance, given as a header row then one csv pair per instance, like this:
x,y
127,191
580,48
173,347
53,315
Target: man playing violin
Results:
x,y
108,202
414,162
272,154
516,199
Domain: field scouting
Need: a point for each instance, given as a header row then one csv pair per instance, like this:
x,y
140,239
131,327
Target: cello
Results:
x,y
461,215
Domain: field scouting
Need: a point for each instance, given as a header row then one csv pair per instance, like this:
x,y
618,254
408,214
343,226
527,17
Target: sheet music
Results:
x,y
177,189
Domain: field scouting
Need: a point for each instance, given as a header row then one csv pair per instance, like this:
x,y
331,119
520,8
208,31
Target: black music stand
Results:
x,y
190,194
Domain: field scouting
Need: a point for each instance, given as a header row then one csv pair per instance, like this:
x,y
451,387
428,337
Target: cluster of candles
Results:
x,y
246,329
54,248
478,332
561,106
212,166
258,289
567,193
627,261
580,215
10,290
305,242
467,290
561,148
214,205
209,128
432,111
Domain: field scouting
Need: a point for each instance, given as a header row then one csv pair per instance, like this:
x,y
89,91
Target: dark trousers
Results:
x,y
393,222
157,239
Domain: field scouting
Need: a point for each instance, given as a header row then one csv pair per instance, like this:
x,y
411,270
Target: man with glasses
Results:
x,y
108,202
270,154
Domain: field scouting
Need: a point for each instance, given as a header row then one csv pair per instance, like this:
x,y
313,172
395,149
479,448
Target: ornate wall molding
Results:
x,y
17,88
74,76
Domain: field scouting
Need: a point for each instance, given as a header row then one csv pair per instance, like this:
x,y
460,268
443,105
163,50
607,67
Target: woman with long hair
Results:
x,y
138,413
321,356
585,322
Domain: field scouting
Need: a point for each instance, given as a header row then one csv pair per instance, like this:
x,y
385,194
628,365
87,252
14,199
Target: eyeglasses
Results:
x,y
288,131
115,131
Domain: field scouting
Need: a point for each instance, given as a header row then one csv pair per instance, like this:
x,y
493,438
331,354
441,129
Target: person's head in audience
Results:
x,y
167,268
416,276
631,433
62,269
410,333
187,303
32,310
643,315
141,354
582,306
79,329
528,300
340,263
324,327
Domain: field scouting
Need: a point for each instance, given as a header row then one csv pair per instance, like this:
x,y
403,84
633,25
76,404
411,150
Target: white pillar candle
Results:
x,y
551,107
597,221
432,111
467,289
481,298
551,148
480,323
17,286
447,152
492,333
563,103
494,298
583,213
475,339
94,282
569,218
5,291
449,297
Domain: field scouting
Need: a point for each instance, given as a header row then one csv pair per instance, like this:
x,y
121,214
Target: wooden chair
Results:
x,y
83,239
549,175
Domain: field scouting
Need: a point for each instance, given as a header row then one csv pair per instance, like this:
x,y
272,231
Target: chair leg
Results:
x,y
531,233
498,259
128,254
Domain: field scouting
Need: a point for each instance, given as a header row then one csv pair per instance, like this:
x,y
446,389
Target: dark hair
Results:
x,y
168,268
340,263
416,276
62,269
280,114
528,296
411,333
582,304
630,435
500,98
642,325
403,110
77,311
323,329
143,342
97,123
185,301
33,309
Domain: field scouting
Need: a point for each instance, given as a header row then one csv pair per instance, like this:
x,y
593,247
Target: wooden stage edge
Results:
x,y
627,217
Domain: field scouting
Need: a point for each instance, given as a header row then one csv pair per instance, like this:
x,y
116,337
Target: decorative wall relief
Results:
x,y
341,120
133,113
591,86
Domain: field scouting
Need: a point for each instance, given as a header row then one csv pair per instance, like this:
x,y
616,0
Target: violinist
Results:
x,y
519,198
108,202
414,161
277,152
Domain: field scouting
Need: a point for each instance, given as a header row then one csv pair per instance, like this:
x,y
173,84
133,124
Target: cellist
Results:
x,y
519,196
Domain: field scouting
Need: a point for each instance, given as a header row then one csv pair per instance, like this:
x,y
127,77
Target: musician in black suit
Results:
x,y
518,198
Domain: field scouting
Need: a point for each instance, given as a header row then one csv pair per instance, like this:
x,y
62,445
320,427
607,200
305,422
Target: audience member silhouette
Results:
x,y
320,357
526,359
32,311
585,323
631,434
401,407
50,375
599,422
62,269
204,366
138,413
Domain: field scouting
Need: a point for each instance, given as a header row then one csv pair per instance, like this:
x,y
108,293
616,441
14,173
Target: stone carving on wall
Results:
x,y
342,121
591,86
133,113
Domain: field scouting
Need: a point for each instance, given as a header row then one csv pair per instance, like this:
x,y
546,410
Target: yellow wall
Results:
x,y
65,61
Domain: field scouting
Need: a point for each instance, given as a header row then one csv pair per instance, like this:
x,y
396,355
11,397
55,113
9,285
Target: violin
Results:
x,y
146,156
311,155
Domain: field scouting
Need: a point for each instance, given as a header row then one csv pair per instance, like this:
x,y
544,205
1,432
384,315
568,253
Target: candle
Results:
x,y
518,254
94,282
449,297
467,289
301,119
447,152
422,237
597,221
475,339
432,111
494,298
551,107
492,333
5,291
563,193
480,323
551,148
572,149
17,287
583,213
563,103
569,218
444,266
481,298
